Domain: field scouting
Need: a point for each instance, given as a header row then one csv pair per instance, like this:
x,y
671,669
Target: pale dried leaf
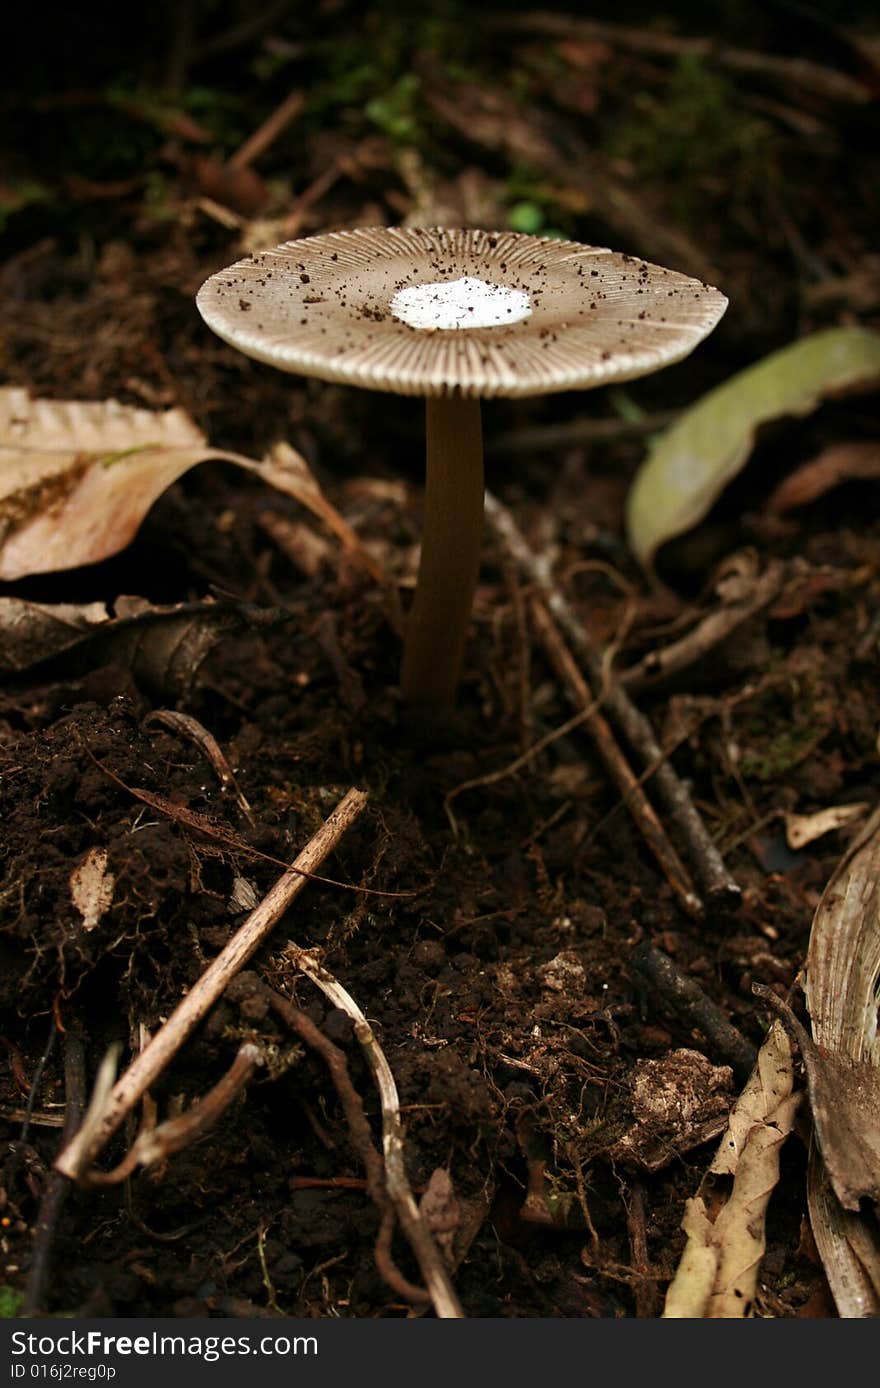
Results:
x,y
740,1227
845,1099
801,829
687,1295
770,1083
718,1273
91,887
78,477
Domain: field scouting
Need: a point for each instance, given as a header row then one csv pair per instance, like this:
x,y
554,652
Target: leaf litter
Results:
x,y
516,1074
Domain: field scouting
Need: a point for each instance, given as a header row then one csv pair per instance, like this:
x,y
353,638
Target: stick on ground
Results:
x,y
79,1154
615,762
710,868
685,996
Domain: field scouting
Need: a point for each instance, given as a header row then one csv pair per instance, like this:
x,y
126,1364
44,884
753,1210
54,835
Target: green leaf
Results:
x,y
11,1303
527,217
692,462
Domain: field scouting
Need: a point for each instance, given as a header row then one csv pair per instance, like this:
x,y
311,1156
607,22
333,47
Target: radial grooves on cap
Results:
x,y
321,307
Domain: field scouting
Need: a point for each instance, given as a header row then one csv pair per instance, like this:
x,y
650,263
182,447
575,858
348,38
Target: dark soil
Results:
x,y
493,955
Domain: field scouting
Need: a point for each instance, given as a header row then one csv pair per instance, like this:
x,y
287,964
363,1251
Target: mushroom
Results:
x,y
455,315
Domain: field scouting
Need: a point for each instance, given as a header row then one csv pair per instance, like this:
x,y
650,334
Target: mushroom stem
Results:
x,y
452,535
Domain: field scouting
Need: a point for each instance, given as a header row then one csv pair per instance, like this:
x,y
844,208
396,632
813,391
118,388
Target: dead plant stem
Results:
x,y
443,1295
708,864
79,1154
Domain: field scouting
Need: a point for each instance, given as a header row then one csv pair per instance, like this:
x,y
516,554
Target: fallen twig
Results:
x,y
644,1282
434,1271
79,1154
615,762
685,996
575,431
707,862
799,72
156,1143
266,134
492,777
707,634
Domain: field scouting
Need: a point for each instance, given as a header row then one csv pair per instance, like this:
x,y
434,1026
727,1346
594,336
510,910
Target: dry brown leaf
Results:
x,y
32,631
845,1099
78,477
163,647
843,960
848,1244
843,462
843,967
801,829
718,1273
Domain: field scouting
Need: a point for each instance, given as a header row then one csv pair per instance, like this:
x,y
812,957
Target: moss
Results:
x,y
696,129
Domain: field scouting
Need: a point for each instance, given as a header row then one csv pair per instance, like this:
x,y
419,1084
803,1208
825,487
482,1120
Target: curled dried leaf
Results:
x,y
718,1273
843,979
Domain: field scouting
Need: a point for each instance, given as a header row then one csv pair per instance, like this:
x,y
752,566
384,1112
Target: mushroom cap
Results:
x,y
322,306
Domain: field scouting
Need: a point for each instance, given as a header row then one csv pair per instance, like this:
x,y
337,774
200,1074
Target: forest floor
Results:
x,y
495,908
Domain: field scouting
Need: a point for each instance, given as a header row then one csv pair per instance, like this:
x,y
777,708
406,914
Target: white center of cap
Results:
x,y
464,303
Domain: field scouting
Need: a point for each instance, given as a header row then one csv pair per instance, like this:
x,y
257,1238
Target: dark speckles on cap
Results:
x,y
324,310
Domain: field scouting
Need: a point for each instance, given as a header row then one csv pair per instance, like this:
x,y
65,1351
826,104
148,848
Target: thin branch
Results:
x,y
685,996
79,1154
709,633
266,134
708,864
811,77
615,762
491,777
154,1144
582,429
